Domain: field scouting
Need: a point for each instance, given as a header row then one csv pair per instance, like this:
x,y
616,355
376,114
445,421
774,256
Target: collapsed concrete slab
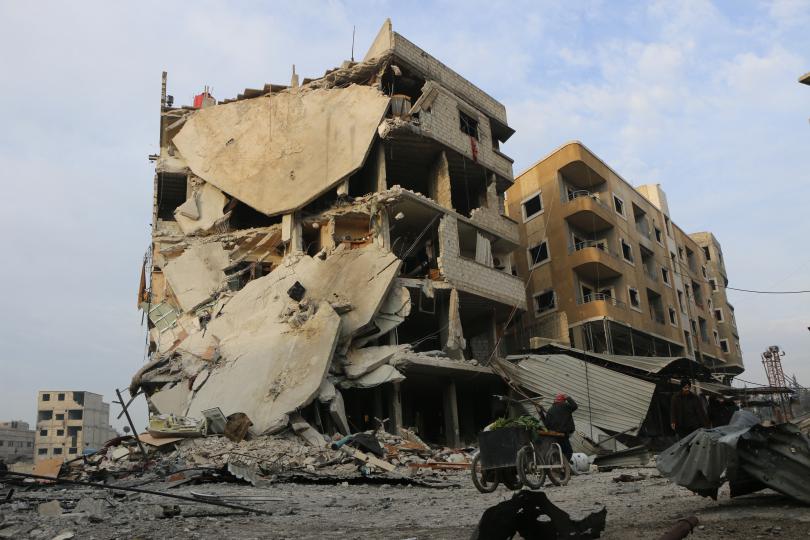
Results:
x,y
196,275
278,152
361,361
270,369
202,211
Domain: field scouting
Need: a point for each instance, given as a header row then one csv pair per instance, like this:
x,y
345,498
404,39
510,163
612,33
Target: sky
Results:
x,y
701,97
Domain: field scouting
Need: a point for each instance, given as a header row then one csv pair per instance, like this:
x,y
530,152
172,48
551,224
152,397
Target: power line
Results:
x,y
766,292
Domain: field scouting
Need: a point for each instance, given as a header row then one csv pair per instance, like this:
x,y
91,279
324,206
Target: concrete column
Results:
x,y
394,396
451,425
382,180
439,182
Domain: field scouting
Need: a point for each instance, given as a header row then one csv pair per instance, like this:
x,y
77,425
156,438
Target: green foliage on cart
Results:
x,y
526,422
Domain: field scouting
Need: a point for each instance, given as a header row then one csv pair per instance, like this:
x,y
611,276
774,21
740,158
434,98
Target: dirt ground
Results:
x,y
642,509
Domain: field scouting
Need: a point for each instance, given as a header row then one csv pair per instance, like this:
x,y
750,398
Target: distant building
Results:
x,y
68,422
608,271
16,441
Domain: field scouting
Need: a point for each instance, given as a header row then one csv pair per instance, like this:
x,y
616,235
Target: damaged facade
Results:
x,y
334,253
609,271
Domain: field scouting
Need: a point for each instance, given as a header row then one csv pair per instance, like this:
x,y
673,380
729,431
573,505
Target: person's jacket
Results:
x,y
687,412
559,416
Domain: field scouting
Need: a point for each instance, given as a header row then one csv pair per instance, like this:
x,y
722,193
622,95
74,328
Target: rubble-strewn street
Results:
x,y
642,509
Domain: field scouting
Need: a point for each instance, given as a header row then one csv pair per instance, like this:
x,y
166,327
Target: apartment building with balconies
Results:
x,y
69,422
606,268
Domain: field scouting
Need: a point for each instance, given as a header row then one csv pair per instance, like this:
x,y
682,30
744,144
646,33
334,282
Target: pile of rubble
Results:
x,y
366,456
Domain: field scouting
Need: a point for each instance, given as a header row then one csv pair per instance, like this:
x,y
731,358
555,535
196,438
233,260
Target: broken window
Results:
x,y
707,253
545,301
538,254
627,250
45,415
718,315
698,292
618,205
724,345
78,397
467,124
635,300
532,206
171,193
713,284
665,275
704,329
673,317
75,414
43,432
658,235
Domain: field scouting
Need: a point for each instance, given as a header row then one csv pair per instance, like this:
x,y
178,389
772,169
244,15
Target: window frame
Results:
x,y
659,235
722,318
673,315
622,243
530,258
630,291
727,350
539,195
666,277
536,306
623,212
713,285
716,336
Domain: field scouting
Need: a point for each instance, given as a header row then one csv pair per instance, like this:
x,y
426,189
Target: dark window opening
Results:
x,y
467,124
665,274
42,451
707,253
246,217
72,450
60,432
43,432
627,251
171,193
78,397
538,253
46,397
724,345
532,206
60,397
60,416
45,415
618,205
635,300
672,316
545,301
75,414
57,451
658,236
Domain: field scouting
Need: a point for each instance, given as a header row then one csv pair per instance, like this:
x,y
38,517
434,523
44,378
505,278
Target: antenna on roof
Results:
x,y
353,29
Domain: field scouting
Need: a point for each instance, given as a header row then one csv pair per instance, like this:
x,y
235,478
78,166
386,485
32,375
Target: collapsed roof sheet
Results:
x,y
278,152
647,364
607,399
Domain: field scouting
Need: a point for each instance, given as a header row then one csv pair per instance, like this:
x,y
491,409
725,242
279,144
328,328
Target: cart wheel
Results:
x,y
560,473
510,479
528,466
484,481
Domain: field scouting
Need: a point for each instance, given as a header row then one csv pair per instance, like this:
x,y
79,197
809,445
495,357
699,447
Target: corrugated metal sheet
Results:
x,y
650,364
607,399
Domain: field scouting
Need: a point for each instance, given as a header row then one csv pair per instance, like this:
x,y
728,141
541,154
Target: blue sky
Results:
x,y
698,96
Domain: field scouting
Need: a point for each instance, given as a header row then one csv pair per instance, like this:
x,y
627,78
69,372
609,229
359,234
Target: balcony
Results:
x,y
586,212
597,305
593,261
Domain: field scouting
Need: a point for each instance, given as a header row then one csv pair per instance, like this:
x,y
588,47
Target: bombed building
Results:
x,y
333,253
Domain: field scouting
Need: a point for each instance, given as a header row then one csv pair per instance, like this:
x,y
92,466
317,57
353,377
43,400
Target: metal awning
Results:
x,y
651,365
607,399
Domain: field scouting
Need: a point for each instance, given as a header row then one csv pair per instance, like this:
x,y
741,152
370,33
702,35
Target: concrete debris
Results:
x,y
197,274
202,211
380,375
362,361
51,508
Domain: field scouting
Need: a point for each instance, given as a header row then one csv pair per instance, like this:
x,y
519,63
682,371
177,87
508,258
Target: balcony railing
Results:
x,y
572,195
598,244
601,297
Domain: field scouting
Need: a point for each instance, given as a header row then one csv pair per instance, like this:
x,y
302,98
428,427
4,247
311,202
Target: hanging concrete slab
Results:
x,y
361,361
276,153
172,400
202,210
381,375
197,274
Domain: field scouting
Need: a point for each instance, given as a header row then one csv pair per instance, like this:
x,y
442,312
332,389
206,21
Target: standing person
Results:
x,y
559,418
686,411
